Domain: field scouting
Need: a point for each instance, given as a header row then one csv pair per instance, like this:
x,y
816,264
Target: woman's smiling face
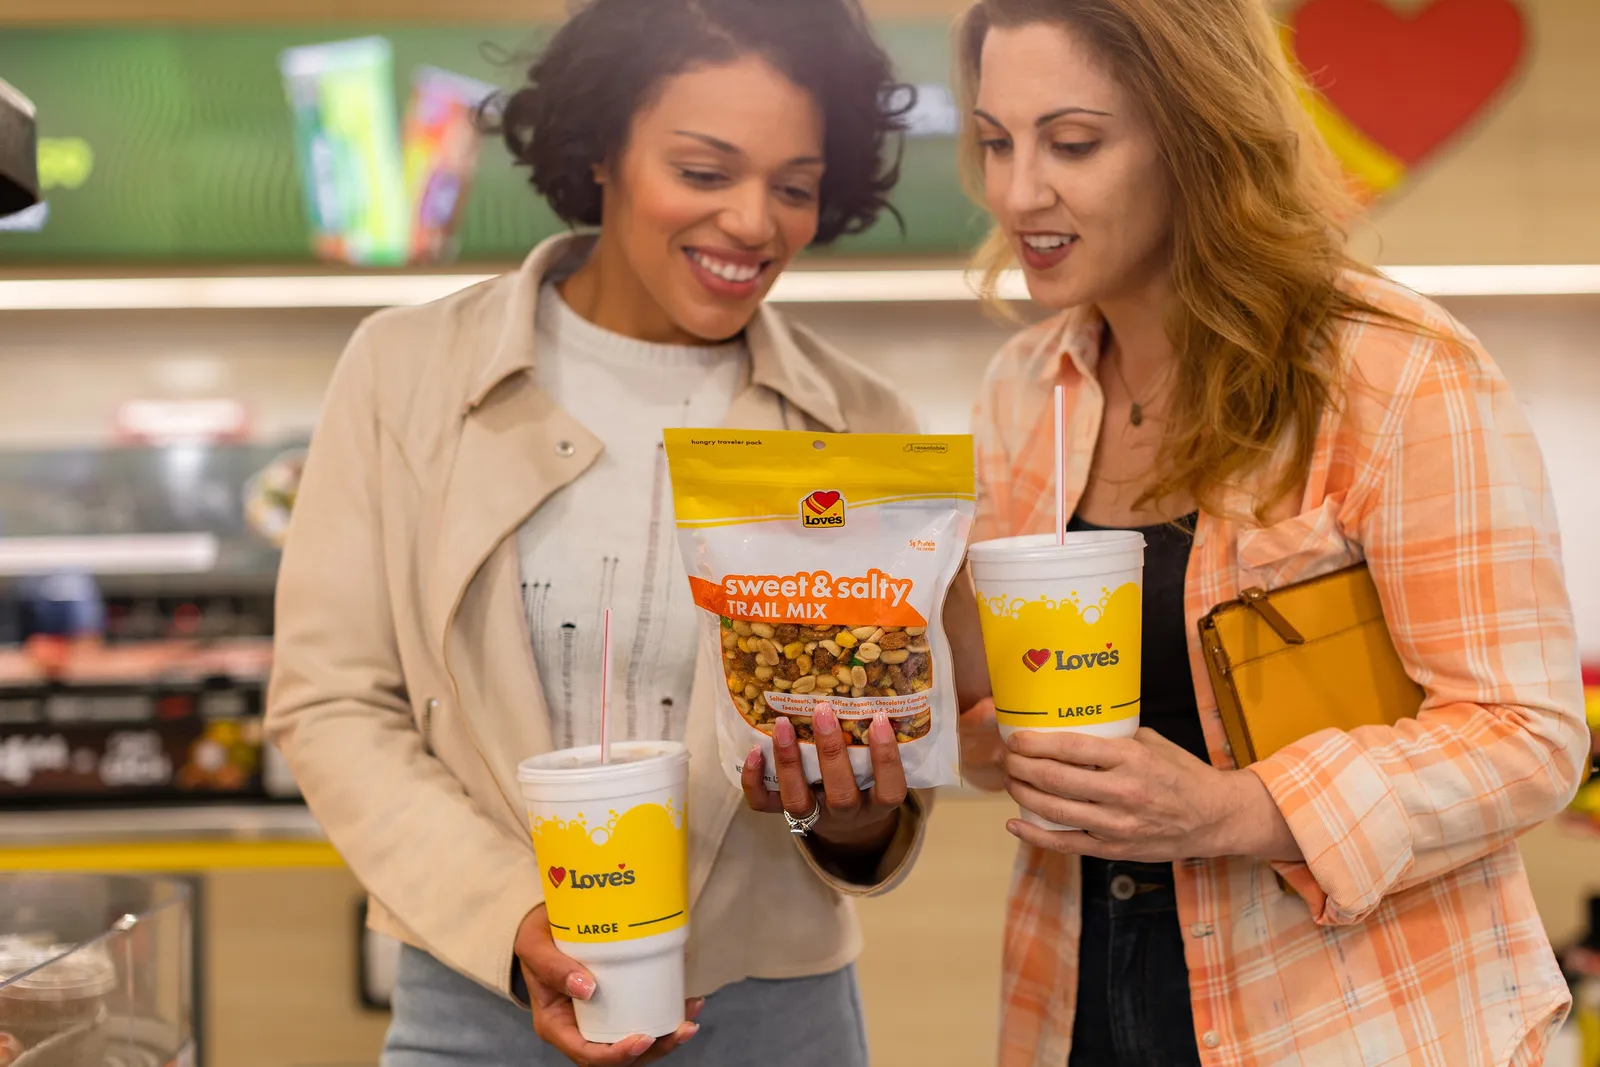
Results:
x,y
1073,173
715,193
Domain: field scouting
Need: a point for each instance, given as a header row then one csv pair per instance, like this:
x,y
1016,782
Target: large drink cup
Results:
x,y
1063,632
612,842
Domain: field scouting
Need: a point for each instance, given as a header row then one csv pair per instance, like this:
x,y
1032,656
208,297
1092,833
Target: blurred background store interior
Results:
x,y
150,419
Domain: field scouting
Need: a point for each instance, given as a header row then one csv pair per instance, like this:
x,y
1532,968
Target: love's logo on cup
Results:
x,y
1063,662
624,880
823,509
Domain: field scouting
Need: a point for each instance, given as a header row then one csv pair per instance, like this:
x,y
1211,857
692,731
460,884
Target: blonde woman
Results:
x,y
1265,410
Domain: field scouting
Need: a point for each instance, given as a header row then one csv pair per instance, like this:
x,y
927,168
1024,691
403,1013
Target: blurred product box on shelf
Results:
x,y
155,720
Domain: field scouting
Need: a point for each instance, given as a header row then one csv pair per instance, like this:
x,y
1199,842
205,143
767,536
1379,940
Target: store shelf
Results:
x,y
231,837
796,287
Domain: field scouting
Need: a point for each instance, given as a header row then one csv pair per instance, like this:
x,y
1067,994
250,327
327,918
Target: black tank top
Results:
x,y
1167,702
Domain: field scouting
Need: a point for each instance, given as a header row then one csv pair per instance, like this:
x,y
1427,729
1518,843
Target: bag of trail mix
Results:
x,y
822,563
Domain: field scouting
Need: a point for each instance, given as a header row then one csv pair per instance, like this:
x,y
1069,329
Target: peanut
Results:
x,y
836,662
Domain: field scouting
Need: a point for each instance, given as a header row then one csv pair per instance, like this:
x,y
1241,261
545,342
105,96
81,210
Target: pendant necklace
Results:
x,y
1136,412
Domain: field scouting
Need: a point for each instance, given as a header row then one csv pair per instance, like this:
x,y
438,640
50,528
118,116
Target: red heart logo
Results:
x,y
1108,644
819,502
622,866
1409,81
1036,658
557,874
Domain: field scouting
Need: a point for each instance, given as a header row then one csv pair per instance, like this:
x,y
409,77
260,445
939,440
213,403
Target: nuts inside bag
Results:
x,y
822,562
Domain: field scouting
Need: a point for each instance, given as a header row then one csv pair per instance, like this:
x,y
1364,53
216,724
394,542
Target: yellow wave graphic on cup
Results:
x,y
1055,663
624,880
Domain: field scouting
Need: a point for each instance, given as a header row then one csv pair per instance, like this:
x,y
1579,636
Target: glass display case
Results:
x,y
95,970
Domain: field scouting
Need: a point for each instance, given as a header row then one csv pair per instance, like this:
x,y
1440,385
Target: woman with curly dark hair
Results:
x,y
488,473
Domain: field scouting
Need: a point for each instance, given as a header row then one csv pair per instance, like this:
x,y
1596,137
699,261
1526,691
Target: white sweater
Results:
x,y
608,539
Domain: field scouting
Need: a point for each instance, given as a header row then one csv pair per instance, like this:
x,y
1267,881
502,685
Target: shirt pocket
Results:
x,y
1296,550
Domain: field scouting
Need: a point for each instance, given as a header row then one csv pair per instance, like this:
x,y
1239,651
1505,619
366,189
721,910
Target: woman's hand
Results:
x,y
1140,798
555,980
851,821
983,753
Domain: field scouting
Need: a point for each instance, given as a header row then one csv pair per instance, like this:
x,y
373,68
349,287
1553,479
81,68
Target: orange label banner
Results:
x,y
811,598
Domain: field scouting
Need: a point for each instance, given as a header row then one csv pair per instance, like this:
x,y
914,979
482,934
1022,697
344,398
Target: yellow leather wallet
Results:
x,y
1304,658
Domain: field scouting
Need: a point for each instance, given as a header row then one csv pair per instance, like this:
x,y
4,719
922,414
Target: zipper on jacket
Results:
x,y
1257,599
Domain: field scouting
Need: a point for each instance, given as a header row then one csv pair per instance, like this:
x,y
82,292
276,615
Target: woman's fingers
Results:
x,y
1066,779
1073,746
797,797
888,773
756,793
1070,842
833,753
1094,818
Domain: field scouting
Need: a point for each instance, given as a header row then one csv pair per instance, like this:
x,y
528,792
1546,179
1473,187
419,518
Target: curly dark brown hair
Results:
x,y
607,62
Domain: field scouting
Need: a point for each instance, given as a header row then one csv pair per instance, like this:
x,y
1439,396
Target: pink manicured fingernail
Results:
x,y
641,1046
783,732
753,760
580,986
824,721
881,730
689,1030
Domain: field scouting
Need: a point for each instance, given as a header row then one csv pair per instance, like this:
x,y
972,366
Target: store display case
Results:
x,y
95,970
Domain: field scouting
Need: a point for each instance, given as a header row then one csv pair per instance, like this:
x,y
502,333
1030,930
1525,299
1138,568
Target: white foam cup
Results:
x,y
612,842
1063,632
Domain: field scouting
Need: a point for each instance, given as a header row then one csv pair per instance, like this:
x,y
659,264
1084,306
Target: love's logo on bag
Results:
x,y
823,509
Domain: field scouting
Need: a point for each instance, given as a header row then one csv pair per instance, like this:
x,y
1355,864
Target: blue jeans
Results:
x,y
1133,982
442,1019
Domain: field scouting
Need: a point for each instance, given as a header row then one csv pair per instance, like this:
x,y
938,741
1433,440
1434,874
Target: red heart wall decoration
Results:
x,y
1407,82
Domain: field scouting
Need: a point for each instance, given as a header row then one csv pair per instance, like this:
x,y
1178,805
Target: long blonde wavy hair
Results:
x,y
1260,211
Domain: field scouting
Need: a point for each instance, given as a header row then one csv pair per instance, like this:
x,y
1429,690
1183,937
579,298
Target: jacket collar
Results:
x,y
777,361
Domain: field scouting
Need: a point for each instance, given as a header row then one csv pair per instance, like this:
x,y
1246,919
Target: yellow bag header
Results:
x,y
721,477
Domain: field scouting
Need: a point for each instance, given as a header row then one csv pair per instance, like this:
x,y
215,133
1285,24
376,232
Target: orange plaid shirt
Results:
x,y
1411,936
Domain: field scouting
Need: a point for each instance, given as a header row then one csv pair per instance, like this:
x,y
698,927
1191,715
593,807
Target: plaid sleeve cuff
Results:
x,y
1348,820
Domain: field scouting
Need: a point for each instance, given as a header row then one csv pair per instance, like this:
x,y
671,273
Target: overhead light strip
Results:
x,y
795,287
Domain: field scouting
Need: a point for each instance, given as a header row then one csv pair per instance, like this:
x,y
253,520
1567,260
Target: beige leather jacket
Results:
x,y
404,692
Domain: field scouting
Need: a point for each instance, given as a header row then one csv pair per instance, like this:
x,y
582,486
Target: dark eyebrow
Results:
x,y
727,149
1045,119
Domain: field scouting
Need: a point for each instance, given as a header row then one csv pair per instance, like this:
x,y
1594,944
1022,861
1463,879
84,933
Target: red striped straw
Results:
x,y
605,689
1061,464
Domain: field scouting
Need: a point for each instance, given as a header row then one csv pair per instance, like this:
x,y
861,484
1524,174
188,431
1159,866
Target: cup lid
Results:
x,y
629,759
35,969
1042,548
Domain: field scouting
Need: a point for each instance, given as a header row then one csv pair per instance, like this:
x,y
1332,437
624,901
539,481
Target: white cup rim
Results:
x,y
1042,548
542,769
